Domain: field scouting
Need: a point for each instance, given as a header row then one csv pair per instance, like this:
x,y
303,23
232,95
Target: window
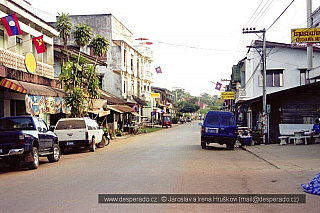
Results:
x,y
43,126
19,48
213,119
227,121
303,77
275,78
1,38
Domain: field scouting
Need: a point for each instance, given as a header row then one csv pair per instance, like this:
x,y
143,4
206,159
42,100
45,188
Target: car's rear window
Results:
x,y
16,123
227,120
212,119
71,124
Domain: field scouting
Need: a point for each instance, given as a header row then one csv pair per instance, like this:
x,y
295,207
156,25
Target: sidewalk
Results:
x,y
289,157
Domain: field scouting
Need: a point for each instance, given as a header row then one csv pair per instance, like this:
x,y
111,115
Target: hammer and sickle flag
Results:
x,y
39,44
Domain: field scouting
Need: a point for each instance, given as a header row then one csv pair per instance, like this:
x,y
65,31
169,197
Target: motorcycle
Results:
x,y
107,137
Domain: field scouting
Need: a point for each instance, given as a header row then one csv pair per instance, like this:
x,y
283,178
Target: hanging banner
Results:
x,y
37,104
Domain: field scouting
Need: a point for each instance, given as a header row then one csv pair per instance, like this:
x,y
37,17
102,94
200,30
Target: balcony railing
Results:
x,y
14,61
240,94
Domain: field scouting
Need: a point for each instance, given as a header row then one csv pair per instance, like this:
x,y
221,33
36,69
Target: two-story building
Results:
x,y
292,94
27,84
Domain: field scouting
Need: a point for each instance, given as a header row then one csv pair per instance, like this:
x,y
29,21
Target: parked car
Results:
x,y
79,132
26,138
219,127
188,119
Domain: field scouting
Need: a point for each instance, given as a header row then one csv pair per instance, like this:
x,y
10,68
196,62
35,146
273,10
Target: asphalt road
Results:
x,y
169,161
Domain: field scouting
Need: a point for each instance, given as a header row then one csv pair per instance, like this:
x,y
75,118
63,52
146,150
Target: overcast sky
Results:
x,y
195,42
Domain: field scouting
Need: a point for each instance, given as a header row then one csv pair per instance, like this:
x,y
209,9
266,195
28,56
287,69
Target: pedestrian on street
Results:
x,y
315,130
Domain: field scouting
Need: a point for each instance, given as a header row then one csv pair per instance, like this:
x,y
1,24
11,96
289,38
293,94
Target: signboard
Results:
x,y
227,95
305,35
220,101
155,95
30,63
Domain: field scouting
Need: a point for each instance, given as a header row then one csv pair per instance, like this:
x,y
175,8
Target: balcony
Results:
x,y
14,61
240,95
148,76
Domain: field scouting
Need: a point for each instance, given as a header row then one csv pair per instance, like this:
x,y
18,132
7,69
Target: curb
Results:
x,y
244,148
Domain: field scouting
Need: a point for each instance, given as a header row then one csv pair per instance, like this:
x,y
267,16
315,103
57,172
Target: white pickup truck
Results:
x,y
79,132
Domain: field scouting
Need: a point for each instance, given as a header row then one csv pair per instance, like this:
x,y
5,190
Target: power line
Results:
x,y
263,12
280,15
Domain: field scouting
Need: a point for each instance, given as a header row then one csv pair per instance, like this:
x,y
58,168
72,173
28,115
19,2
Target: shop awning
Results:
x,y
135,114
139,101
120,108
99,103
30,88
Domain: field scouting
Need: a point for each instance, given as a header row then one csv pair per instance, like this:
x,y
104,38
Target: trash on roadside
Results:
x,y
314,186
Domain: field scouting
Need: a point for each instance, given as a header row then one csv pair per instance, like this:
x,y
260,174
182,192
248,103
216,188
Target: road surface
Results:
x,y
169,161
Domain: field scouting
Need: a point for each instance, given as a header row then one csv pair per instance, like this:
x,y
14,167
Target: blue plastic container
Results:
x,y
245,140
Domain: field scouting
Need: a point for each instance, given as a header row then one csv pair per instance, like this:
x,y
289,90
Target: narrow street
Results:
x,y
169,161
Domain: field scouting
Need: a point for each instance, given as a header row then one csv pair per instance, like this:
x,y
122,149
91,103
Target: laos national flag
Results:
x,y
11,24
158,70
218,86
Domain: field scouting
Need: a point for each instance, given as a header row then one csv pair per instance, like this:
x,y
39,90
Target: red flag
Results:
x,y
39,44
10,22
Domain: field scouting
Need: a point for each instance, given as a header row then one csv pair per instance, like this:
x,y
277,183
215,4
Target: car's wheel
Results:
x,y
230,145
34,164
55,157
102,143
93,145
203,145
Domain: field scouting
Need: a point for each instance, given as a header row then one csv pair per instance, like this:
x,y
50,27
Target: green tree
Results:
x,y
100,45
82,35
63,26
80,78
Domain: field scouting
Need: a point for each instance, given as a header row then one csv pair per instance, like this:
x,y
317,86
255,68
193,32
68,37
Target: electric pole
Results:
x,y
309,47
265,123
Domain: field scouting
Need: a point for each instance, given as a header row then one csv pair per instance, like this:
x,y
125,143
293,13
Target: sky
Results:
x,y
195,42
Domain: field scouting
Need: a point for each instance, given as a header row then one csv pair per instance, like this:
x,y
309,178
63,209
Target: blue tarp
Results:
x,y
314,186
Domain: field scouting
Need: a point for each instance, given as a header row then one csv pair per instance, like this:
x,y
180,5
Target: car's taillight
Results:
x,y
87,135
202,129
21,139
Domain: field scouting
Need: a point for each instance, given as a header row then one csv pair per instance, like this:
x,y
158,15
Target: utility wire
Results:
x,y
280,15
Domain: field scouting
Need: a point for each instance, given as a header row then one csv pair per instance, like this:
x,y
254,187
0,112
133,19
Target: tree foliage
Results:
x,y
82,35
80,89
100,45
78,76
64,26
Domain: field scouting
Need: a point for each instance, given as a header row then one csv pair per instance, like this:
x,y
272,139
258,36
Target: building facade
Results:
x,y
27,85
286,73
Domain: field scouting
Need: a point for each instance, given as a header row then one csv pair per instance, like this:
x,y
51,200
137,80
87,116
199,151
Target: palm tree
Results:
x,y
63,26
82,35
100,46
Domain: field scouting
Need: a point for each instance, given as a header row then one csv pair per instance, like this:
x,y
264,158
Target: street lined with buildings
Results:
x,y
169,161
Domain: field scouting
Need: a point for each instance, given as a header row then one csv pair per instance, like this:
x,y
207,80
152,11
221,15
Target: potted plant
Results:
x,y
119,132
